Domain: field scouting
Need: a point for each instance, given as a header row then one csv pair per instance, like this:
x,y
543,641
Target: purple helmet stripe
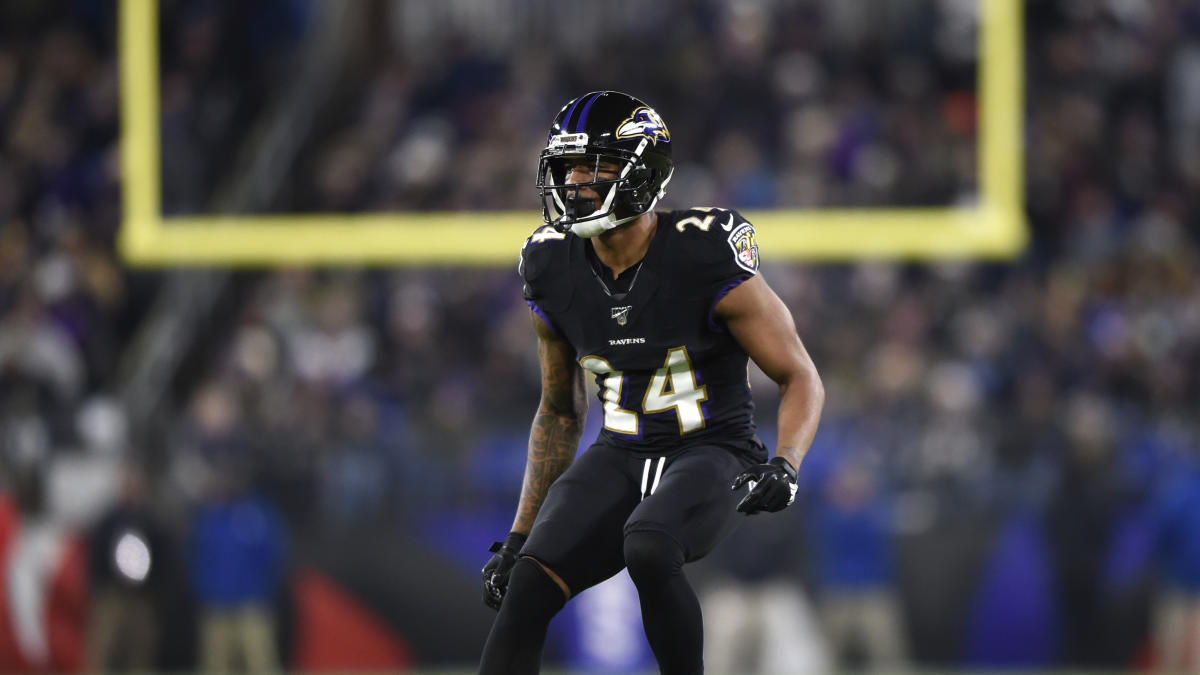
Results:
x,y
583,115
566,123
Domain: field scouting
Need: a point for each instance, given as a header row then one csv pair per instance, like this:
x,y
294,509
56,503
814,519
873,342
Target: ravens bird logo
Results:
x,y
644,122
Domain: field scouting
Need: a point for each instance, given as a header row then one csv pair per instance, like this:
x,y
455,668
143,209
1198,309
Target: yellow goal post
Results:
x,y
993,228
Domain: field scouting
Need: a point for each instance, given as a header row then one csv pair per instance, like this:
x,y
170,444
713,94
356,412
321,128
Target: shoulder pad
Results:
x,y
539,251
546,268
705,219
718,237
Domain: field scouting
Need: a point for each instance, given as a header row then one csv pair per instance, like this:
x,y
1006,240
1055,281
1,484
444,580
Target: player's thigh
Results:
x,y
577,533
693,502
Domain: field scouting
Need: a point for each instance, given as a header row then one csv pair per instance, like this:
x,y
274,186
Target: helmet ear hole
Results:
x,y
640,181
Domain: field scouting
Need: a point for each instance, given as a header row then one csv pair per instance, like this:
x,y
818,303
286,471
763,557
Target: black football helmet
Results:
x,y
617,131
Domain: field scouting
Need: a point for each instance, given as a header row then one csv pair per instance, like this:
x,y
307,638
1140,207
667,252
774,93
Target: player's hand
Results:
x,y
772,486
496,571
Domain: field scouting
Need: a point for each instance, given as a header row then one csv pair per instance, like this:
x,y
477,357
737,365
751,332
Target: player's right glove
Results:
x,y
772,486
496,571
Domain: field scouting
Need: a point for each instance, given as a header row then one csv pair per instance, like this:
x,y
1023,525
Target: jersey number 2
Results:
x,y
672,387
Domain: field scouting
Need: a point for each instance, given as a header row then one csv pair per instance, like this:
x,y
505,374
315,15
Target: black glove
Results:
x,y
772,487
496,571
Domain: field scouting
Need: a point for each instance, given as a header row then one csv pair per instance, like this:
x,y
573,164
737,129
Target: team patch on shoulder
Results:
x,y
745,247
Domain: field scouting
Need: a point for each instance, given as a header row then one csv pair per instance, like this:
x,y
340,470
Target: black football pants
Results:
x,y
613,509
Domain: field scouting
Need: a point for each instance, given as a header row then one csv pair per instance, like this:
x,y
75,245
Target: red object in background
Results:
x,y
336,632
65,597
10,656
960,111
1146,660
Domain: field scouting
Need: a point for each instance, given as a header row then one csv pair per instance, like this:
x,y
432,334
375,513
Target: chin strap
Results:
x,y
594,228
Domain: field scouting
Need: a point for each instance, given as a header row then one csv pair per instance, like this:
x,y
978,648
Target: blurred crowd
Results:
x,y
1047,407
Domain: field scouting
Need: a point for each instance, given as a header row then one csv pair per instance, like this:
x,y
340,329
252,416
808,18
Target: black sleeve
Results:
x,y
537,258
720,245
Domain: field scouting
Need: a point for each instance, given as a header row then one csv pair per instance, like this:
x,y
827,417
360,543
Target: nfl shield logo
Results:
x,y
621,314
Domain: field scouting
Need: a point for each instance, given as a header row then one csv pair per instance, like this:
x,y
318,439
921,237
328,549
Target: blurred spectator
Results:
x,y
1175,522
212,442
236,544
334,348
1082,516
853,535
129,559
34,345
354,474
237,560
758,616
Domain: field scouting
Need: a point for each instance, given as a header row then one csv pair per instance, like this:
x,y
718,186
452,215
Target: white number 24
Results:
x,y
672,387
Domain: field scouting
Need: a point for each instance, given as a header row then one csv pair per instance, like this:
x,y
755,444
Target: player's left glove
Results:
x,y
772,486
496,571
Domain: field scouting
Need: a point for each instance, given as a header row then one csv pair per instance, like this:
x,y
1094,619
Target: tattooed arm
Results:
x,y
554,438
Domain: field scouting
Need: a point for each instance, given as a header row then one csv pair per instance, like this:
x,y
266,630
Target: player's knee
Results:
x,y
519,631
531,592
652,556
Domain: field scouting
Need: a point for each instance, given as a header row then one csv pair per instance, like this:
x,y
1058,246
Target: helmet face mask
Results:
x,y
607,198
620,146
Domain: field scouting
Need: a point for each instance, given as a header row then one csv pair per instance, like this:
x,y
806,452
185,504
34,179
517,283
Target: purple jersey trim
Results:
x,y
538,310
712,323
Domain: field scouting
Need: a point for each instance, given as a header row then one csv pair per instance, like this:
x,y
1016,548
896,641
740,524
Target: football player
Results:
x,y
663,309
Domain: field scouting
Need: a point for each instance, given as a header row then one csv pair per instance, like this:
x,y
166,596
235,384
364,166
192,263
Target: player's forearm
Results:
x,y
553,442
801,398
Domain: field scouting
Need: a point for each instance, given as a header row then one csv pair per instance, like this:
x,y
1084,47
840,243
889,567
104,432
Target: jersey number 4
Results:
x,y
672,387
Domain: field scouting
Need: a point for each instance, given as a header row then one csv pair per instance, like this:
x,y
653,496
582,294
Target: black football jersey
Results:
x,y
668,372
